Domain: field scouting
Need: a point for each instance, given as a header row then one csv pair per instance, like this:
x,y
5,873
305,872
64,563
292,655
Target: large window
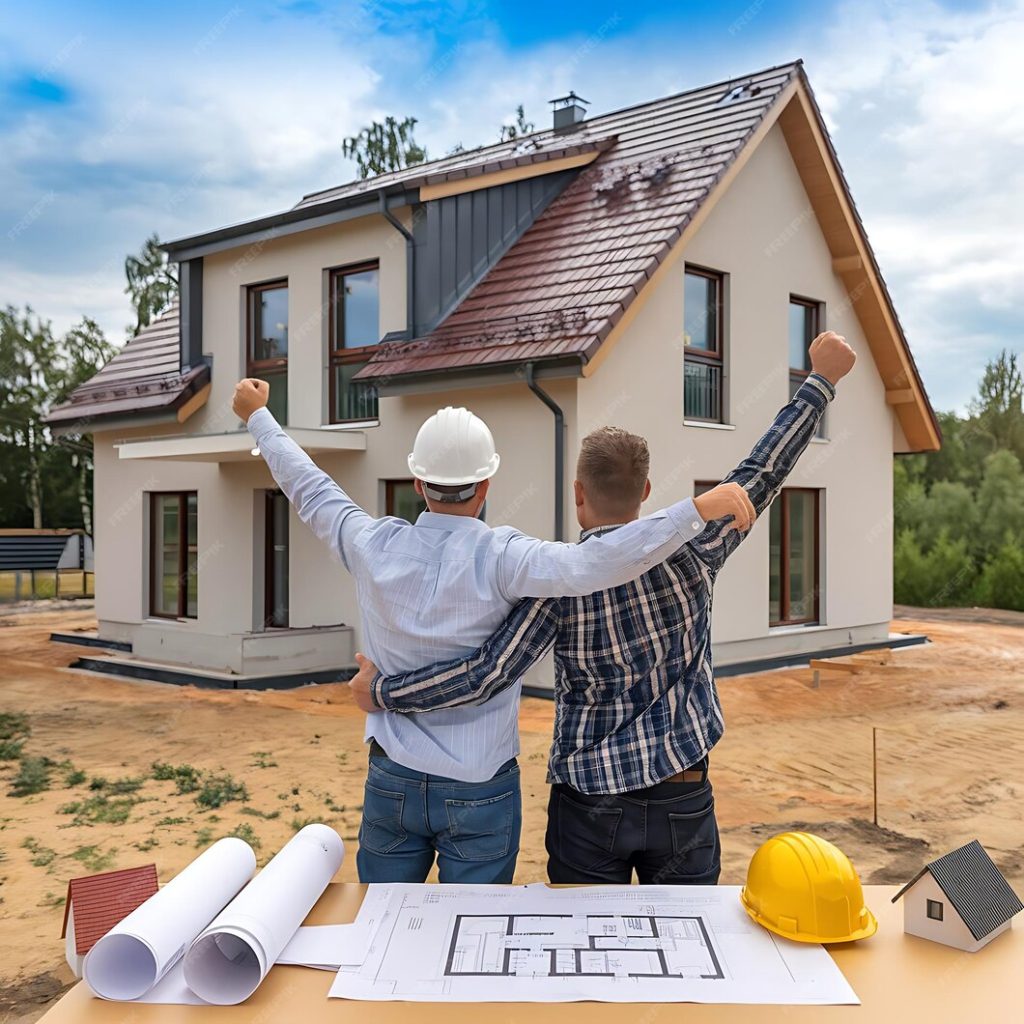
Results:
x,y
804,327
401,500
354,338
793,557
267,345
703,346
173,555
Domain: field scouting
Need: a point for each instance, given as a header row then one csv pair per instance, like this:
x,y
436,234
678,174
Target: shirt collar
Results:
x,y
594,530
445,521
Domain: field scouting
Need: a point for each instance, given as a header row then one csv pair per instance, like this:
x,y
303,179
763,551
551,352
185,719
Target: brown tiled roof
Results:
x,y
101,901
145,376
566,282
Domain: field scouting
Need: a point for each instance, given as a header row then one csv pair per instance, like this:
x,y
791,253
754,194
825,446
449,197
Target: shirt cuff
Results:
x,y
816,390
377,691
261,423
686,519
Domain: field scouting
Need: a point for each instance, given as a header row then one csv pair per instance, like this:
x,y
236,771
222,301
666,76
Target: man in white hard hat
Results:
x,y
445,783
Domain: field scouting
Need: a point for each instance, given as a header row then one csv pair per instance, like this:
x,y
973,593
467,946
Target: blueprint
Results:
x,y
611,943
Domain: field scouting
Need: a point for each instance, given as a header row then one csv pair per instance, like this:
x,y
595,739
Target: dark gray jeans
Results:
x,y
667,834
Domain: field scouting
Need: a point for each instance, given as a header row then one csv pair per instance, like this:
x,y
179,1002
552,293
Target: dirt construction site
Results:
x,y
99,772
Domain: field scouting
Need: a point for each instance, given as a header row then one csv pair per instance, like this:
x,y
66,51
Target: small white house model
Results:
x,y
96,903
961,900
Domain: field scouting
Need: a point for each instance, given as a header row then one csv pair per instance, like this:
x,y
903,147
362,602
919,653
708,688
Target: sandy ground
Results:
x,y
948,721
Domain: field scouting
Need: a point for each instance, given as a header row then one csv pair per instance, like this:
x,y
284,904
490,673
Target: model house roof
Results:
x,y
144,377
101,901
975,886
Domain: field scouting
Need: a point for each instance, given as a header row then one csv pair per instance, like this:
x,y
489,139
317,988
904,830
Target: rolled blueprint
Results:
x,y
227,962
135,954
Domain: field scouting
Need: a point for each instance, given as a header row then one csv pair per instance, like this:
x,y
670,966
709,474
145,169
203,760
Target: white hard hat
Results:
x,y
453,447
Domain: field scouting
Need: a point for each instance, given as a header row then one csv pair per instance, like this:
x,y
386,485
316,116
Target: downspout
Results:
x,y
559,450
410,266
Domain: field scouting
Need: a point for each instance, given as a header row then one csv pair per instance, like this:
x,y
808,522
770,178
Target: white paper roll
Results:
x,y
135,954
227,962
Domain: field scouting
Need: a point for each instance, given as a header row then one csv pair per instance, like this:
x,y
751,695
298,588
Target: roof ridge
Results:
x,y
549,132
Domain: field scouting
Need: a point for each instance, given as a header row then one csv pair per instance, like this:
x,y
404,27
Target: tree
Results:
x,y
28,356
1001,502
1002,580
511,132
949,508
997,408
86,350
384,147
152,283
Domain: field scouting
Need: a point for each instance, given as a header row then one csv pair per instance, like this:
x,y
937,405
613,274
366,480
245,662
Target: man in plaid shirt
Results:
x,y
637,712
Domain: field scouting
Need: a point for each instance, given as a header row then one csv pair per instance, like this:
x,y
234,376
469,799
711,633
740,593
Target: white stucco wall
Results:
x,y
764,237
761,234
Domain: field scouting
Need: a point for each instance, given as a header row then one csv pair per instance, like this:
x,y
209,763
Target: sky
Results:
x,y
118,120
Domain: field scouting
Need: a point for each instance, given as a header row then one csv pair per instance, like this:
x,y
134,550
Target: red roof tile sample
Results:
x,y
101,901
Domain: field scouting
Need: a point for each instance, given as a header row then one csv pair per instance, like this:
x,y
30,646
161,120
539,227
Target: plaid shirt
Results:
x,y
634,685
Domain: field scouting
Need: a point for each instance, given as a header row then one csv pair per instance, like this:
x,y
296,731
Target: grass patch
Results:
x,y
212,789
99,810
245,831
184,776
10,750
204,837
263,759
147,844
75,777
33,777
298,823
51,899
94,858
172,821
42,856
219,789
14,725
255,812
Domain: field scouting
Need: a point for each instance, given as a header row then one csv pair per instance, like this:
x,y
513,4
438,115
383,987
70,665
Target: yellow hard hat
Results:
x,y
802,887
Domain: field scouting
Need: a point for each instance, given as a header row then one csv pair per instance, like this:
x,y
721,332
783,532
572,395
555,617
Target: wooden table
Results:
x,y
897,977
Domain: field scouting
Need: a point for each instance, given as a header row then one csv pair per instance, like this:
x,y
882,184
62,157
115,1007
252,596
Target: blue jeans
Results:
x,y
408,817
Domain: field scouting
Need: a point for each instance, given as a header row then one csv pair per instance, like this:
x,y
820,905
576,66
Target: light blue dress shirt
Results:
x,y
437,589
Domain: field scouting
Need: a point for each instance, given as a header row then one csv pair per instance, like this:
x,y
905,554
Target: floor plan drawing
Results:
x,y
592,945
617,944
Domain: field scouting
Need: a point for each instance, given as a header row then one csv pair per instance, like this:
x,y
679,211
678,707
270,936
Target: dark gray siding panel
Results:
x,y
459,238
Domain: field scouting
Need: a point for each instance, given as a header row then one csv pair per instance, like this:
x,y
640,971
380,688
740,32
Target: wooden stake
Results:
x,y
874,769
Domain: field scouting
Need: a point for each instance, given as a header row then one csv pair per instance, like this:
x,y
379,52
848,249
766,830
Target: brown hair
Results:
x,y
613,466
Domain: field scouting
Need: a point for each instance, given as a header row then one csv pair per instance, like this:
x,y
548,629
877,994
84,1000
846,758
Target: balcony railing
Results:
x,y
702,390
353,400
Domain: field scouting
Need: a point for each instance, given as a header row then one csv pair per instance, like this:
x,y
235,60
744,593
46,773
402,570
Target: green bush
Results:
x,y
943,577
219,789
184,776
33,776
1002,580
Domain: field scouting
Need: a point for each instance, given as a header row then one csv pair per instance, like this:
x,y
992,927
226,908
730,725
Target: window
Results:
x,y
401,500
354,338
275,553
702,340
793,557
173,555
267,345
804,326
935,910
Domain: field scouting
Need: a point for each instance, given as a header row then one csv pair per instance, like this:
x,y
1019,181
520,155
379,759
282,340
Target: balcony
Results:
x,y
702,390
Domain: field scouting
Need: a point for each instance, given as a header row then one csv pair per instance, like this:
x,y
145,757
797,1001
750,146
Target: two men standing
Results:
x,y
627,610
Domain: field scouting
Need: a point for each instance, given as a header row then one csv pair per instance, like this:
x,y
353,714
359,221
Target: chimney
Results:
x,y
569,112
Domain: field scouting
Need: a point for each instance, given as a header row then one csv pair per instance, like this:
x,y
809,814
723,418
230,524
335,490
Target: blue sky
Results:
x,y
120,119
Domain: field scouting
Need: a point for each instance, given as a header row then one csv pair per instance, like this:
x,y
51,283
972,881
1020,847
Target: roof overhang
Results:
x,y
430,381
288,222
236,445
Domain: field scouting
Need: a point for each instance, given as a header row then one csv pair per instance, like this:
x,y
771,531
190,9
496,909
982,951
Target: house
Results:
x,y
662,267
36,563
961,900
96,903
